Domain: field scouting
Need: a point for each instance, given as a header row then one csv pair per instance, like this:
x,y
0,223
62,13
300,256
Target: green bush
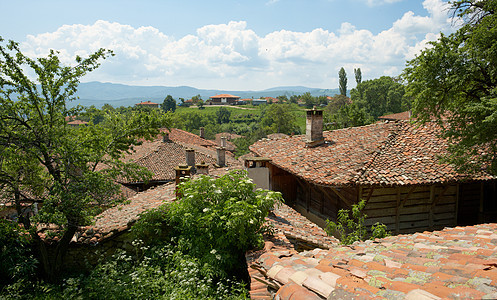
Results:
x,y
350,227
16,259
218,219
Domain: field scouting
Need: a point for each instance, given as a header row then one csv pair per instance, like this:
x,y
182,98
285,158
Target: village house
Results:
x,y
174,148
224,99
148,104
393,166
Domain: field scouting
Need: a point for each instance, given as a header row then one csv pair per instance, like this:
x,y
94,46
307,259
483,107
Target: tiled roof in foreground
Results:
x,y
457,263
384,153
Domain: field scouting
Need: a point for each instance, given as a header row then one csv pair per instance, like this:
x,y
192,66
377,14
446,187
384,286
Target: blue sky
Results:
x,y
232,45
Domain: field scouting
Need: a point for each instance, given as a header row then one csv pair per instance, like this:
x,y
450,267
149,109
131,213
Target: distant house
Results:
x,y
224,99
259,101
393,166
148,104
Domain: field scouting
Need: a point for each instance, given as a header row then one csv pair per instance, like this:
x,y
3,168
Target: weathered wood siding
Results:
x,y
324,202
411,209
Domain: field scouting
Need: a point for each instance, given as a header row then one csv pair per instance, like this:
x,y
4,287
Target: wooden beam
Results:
x,y
371,189
397,212
344,199
457,202
400,205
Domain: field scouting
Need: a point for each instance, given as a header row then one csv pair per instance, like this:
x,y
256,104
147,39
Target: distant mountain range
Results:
x,y
98,93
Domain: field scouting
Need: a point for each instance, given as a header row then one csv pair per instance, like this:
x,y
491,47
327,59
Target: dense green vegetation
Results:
x,y
455,83
193,248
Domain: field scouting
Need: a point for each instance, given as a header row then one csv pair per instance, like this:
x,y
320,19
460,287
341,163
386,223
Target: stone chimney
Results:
x,y
202,132
314,128
190,159
202,169
223,141
182,172
221,156
165,137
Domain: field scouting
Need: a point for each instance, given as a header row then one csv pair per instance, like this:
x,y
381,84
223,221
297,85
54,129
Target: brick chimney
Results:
x,y
190,159
202,132
314,128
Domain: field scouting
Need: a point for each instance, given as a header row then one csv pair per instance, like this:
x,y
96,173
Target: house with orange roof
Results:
x,y
224,99
393,166
148,104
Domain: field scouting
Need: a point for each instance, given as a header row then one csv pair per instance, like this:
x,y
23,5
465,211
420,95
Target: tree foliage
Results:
x,y
358,75
169,104
384,95
279,119
223,115
43,159
218,219
342,81
454,82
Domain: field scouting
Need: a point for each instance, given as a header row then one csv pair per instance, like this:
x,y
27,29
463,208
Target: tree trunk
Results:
x,y
52,258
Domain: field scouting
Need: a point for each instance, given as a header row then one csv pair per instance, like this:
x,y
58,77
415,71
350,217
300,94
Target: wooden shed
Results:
x,y
393,166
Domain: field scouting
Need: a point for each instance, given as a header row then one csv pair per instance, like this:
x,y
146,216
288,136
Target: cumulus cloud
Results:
x,y
232,56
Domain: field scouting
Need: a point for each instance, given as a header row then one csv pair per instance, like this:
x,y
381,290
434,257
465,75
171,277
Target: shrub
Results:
x,y
16,259
218,219
352,229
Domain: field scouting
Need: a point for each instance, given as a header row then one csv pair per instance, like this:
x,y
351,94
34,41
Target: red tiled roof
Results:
x,y
224,96
458,262
406,115
189,139
274,136
77,122
162,160
378,154
147,103
162,157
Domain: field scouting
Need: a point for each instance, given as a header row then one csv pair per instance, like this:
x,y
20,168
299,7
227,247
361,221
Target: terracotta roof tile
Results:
x,y
396,267
406,115
387,153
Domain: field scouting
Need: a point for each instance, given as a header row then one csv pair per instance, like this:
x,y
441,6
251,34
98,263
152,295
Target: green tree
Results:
x,y
380,96
342,81
279,119
454,82
44,159
308,99
358,75
196,99
223,115
336,103
169,104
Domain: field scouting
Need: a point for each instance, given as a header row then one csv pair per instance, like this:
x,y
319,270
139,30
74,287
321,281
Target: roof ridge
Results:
x,y
391,138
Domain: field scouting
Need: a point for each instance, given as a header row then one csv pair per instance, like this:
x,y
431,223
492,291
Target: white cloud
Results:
x,y
232,56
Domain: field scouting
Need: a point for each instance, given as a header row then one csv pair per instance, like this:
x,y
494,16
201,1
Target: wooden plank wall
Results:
x,y
470,207
411,209
324,202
